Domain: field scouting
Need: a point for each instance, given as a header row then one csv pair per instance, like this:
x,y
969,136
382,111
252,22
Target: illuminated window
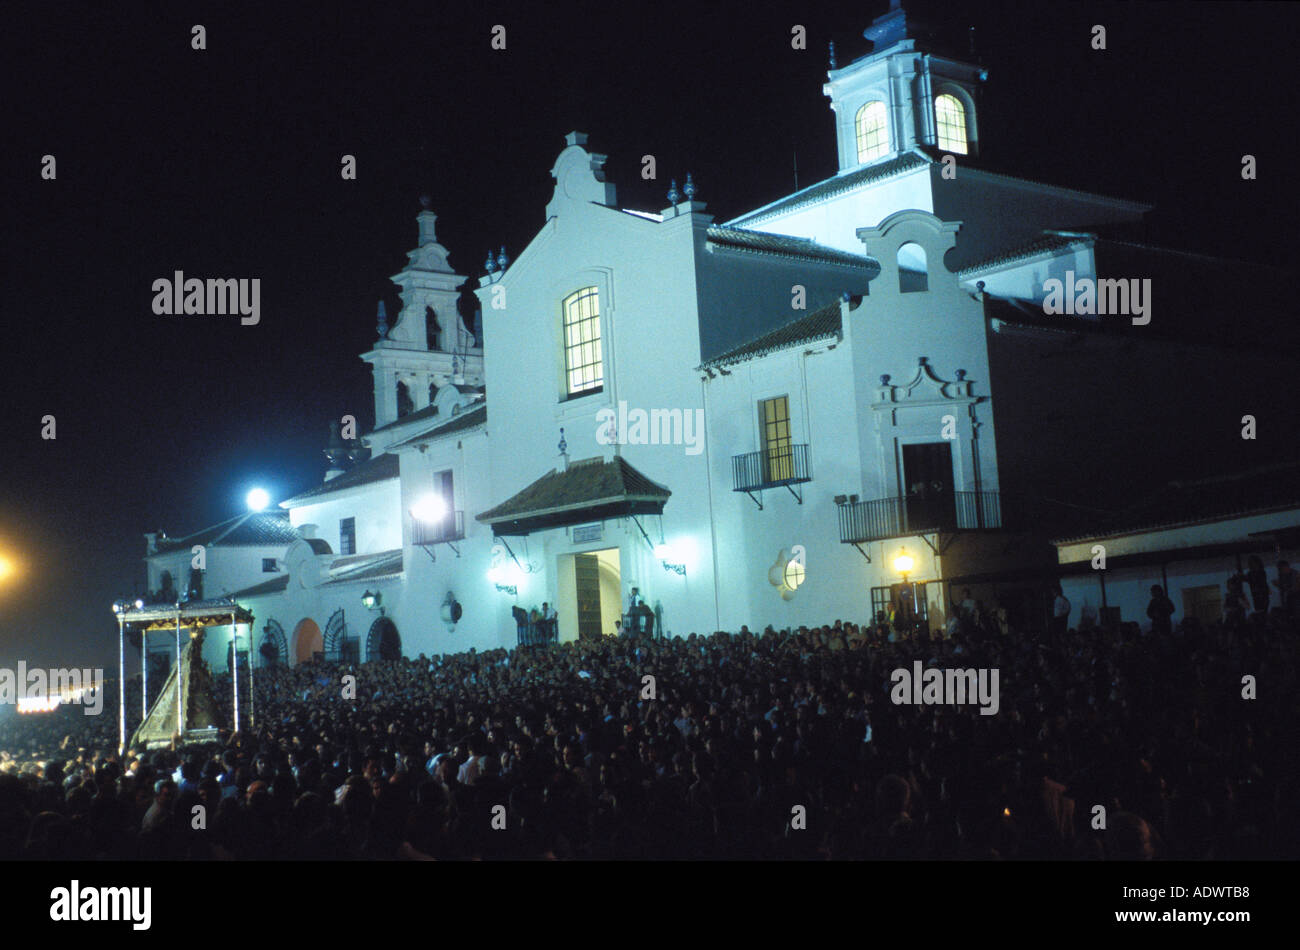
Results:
x,y
873,131
950,118
778,450
583,364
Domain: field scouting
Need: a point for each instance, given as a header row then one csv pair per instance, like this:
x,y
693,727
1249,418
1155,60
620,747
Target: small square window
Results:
x,y
268,565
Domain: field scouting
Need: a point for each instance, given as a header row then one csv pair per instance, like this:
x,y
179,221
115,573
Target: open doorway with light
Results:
x,y
590,594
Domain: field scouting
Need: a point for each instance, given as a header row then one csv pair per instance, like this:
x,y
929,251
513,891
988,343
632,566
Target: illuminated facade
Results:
x,y
825,405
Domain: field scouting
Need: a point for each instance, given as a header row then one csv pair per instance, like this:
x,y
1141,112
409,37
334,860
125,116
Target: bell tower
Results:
x,y
901,95
428,346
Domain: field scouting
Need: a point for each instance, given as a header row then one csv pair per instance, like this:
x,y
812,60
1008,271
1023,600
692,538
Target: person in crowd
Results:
x,y
1257,580
635,612
1160,611
1287,588
1060,613
1235,605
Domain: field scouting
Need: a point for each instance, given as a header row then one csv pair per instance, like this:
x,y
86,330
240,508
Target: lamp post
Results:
x,y
252,684
234,665
144,674
904,565
180,726
119,609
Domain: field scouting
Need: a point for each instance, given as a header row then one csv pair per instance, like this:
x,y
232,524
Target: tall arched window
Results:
x,y
583,359
950,122
873,131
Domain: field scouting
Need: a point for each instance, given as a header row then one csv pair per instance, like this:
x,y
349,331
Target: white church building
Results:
x,y
826,404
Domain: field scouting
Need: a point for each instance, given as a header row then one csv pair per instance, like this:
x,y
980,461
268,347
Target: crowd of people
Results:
x,y
1108,744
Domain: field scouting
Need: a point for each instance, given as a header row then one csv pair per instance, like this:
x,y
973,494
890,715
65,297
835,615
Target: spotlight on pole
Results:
x,y
258,499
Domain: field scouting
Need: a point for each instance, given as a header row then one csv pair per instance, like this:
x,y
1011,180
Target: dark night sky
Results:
x,y
225,163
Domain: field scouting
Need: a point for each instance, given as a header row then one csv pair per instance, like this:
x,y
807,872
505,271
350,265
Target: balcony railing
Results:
x,y
450,528
864,521
537,634
755,471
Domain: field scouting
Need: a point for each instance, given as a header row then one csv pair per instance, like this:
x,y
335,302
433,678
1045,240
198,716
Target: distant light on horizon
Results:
x,y
258,499
38,704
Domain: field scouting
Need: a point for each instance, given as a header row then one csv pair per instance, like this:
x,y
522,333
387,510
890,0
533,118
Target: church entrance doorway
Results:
x,y
307,641
590,596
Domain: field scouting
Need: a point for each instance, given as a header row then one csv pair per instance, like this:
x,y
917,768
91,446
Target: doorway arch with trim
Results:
x,y
383,642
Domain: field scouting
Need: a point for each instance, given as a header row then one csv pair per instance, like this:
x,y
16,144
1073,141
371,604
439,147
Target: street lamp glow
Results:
x,y
429,508
904,563
258,499
663,552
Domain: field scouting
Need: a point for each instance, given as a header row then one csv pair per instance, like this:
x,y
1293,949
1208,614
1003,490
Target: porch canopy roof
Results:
x,y
196,613
589,490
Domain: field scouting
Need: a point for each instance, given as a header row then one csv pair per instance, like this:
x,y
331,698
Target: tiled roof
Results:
x,y
428,412
365,567
1008,311
456,423
818,325
587,483
978,164
273,586
918,157
908,161
743,239
377,469
1269,488
253,528
1045,243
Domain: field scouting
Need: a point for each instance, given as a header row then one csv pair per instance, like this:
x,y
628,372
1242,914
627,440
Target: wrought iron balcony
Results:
x,y
445,530
864,521
755,471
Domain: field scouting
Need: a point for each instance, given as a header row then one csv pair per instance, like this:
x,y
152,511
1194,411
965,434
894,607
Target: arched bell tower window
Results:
x,y
873,131
913,273
950,123
431,328
405,405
